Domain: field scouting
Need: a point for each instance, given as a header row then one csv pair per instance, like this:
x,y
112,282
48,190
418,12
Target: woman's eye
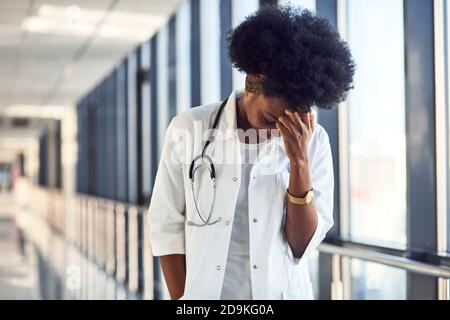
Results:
x,y
270,119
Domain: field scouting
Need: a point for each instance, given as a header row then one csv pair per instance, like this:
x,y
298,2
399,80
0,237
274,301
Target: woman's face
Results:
x,y
262,112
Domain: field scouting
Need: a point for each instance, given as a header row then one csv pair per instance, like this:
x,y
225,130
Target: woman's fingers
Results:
x,y
302,121
282,128
298,120
312,123
287,122
307,117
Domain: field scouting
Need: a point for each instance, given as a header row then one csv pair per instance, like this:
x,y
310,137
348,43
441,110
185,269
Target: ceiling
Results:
x,y
53,51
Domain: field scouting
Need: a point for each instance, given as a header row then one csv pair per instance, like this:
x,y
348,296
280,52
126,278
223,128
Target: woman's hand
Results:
x,y
301,220
296,129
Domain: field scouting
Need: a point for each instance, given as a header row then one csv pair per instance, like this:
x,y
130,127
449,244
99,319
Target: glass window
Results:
x,y
307,4
144,92
210,51
373,281
239,10
447,39
376,117
131,127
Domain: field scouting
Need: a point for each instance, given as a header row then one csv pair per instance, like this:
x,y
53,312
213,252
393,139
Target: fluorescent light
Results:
x,y
36,111
76,21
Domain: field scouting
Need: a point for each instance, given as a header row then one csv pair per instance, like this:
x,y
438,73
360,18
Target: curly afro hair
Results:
x,y
302,57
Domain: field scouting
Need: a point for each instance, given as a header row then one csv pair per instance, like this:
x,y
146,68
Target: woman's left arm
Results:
x,y
301,220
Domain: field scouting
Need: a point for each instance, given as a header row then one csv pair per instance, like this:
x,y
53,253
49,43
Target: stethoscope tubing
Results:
x,y
212,173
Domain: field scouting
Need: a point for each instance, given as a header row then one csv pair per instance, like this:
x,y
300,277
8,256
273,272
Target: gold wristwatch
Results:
x,y
301,201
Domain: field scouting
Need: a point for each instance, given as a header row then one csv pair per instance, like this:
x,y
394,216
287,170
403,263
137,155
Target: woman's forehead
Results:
x,y
279,105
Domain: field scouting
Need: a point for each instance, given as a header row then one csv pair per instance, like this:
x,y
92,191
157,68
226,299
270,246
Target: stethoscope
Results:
x,y
206,160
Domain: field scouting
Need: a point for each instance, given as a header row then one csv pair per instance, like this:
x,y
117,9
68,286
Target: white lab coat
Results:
x,y
275,272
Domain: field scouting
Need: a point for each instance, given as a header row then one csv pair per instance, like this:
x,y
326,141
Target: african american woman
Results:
x,y
244,189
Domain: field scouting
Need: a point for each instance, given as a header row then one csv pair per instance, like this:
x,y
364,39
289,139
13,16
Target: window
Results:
x,y
131,123
145,122
210,51
239,10
307,4
447,135
376,118
373,281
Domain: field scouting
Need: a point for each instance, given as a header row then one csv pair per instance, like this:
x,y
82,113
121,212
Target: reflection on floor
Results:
x,y
18,279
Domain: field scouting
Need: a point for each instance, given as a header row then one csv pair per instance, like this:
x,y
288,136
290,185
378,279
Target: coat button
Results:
x,y
227,222
234,179
255,266
255,220
218,268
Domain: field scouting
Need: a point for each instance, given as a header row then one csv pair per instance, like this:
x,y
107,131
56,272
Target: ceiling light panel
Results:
x,y
80,21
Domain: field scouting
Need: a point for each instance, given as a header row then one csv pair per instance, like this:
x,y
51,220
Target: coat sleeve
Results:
x,y
322,177
167,206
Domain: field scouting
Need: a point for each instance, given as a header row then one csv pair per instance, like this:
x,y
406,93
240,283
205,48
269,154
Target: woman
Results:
x,y
237,210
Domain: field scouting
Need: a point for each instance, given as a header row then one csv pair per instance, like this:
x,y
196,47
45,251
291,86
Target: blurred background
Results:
x,y
87,89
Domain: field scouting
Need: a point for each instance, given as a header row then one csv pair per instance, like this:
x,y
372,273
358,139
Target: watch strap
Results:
x,y
297,200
